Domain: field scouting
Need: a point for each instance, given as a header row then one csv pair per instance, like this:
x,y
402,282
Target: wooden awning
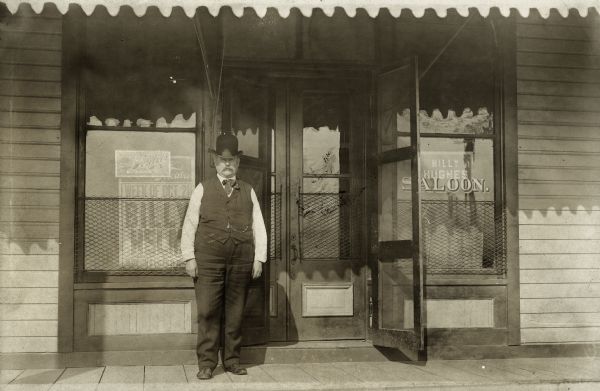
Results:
x,y
350,7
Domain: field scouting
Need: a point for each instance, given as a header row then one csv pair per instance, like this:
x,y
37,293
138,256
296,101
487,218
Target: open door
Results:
x,y
396,263
247,113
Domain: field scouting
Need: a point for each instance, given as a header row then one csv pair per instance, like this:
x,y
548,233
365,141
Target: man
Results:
x,y
224,245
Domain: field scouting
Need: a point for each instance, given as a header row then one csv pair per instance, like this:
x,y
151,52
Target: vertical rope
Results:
x,y
219,86
445,47
200,39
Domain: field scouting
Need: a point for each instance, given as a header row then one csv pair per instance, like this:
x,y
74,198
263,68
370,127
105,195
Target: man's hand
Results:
x,y
191,268
256,269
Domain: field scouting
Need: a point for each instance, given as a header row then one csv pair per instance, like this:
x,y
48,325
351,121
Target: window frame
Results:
x,y
501,197
84,275
133,279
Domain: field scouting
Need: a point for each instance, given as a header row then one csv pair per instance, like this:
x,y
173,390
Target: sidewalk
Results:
x,y
510,374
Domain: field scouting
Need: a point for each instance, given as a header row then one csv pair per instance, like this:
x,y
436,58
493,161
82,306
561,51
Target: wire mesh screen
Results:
x,y
133,236
326,226
460,237
275,229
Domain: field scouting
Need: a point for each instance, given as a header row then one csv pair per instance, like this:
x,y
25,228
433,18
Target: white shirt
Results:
x,y
190,225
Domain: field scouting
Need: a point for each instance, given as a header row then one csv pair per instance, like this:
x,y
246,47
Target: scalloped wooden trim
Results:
x,y
306,7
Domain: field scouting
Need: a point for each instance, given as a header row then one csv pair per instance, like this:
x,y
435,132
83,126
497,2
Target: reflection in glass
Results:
x,y
395,223
321,150
395,219
137,187
479,123
396,294
246,112
325,202
458,211
248,140
393,98
139,164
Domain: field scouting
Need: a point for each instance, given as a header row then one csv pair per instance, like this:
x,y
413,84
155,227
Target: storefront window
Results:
x,y
462,223
138,142
137,186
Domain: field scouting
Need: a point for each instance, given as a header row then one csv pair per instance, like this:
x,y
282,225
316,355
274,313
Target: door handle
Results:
x,y
293,257
294,248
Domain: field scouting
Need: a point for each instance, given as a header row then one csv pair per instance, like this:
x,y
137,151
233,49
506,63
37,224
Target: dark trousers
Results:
x,y
224,274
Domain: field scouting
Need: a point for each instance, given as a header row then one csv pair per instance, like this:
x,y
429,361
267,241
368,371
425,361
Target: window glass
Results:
x,y
123,164
458,209
325,209
137,188
135,76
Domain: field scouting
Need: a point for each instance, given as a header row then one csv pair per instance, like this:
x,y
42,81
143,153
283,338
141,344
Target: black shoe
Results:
x,y
204,373
236,370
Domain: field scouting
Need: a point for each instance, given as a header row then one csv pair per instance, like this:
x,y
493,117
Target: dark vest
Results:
x,y
223,217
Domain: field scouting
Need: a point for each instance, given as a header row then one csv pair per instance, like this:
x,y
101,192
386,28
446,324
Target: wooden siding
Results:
x,y
558,86
30,115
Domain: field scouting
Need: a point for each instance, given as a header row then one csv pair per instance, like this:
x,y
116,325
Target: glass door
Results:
x,y
398,313
247,114
326,282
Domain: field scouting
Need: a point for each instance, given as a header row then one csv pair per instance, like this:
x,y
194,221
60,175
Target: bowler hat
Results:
x,y
227,145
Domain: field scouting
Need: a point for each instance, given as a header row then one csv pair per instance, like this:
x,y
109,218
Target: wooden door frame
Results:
x,y
281,79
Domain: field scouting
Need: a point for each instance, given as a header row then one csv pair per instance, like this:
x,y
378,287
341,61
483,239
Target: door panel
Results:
x,y
397,271
246,112
326,287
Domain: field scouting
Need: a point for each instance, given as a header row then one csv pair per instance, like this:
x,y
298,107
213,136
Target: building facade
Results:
x,y
105,122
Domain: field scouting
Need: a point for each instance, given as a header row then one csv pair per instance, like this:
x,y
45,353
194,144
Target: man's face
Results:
x,y
226,166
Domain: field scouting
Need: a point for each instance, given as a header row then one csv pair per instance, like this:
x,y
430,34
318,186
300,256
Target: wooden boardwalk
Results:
x,y
512,374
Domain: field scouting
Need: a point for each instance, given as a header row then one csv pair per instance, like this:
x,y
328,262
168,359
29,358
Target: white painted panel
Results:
x,y
549,201
28,262
564,188
454,313
541,291
560,276
29,247
139,318
328,299
560,320
42,214
28,311
555,246
540,306
28,230
29,197
28,344
566,216
568,174
558,187
29,328
560,232
566,159
548,131
559,145
561,335
31,279
28,295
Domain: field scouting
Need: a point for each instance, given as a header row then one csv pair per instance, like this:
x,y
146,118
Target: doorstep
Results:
x,y
277,352
293,353
515,374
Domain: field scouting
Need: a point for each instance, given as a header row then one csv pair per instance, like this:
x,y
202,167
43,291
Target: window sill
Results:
x,y
474,279
136,282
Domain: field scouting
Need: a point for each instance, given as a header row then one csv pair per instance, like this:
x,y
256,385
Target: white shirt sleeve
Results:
x,y
190,224
259,232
